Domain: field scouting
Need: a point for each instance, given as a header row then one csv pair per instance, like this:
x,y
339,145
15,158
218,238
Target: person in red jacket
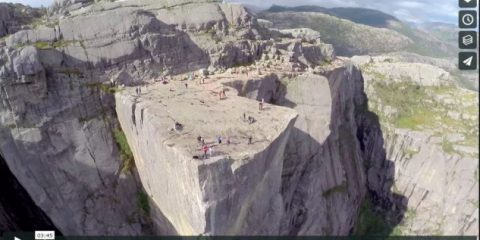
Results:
x,y
205,151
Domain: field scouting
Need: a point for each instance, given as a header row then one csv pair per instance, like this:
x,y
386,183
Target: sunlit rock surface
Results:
x,y
237,189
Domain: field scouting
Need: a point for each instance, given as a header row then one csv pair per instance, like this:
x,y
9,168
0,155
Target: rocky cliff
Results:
x,y
430,134
57,114
89,107
13,17
323,183
236,191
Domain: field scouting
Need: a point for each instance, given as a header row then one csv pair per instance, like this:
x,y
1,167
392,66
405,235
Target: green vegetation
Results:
x,y
370,223
409,215
143,203
417,109
126,155
408,99
104,88
476,174
55,44
20,45
71,71
373,223
409,153
336,189
4,38
447,146
244,64
426,108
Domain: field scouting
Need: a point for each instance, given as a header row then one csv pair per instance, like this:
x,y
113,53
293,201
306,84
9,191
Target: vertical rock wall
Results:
x,y
323,180
232,193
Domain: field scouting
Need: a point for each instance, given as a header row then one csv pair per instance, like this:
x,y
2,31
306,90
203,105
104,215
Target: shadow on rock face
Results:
x,y
18,212
340,185
268,87
382,209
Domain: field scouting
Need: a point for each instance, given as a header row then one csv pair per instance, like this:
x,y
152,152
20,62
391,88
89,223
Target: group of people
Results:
x,y
250,119
209,150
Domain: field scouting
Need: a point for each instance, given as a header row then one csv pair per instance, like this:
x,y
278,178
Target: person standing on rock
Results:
x,y
249,140
199,140
186,85
219,139
260,106
211,151
205,151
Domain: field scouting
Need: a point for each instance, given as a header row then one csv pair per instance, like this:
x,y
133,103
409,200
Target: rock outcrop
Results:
x,y
323,183
348,38
236,191
57,112
429,136
318,153
14,16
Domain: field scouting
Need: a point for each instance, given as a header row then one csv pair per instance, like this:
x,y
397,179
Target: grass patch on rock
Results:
x,y
143,203
370,223
336,189
409,101
126,155
50,45
104,88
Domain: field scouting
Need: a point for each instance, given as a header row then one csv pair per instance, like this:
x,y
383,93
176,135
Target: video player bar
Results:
x,y
46,236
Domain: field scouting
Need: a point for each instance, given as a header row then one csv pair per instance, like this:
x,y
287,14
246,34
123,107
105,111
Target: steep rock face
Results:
x,y
427,141
56,99
60,149
323,181
150,34
13,16
17,210
236,191
56,115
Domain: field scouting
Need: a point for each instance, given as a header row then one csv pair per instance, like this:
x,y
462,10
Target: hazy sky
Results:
x,y
408,10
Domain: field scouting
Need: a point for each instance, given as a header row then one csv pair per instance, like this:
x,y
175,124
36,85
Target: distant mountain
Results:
x,y
348,38
355,31
253,8
365,16
442,31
